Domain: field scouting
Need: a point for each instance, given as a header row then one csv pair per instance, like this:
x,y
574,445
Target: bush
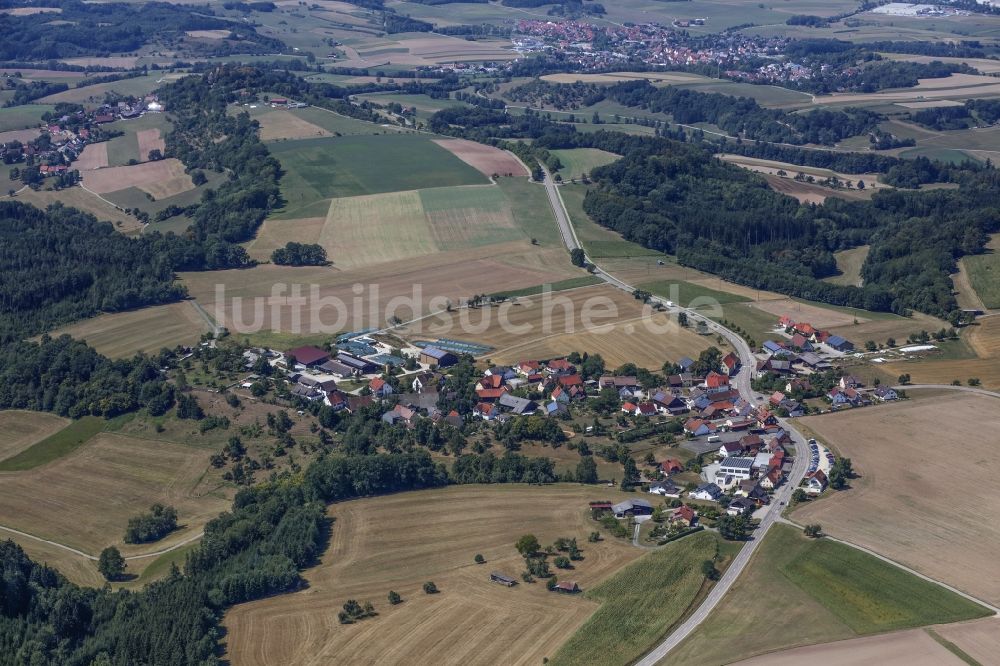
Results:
x,y
394,598
430,588
152,526
479,559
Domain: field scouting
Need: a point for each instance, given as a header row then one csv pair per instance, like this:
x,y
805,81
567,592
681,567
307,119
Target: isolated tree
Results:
x,y
631,477
430,588
586,470
111,564
562,562
394,598
479,558
527,545
799,495
577,257
709,571
813,531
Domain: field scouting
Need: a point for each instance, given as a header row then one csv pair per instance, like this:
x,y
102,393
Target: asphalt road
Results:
x,y
742,384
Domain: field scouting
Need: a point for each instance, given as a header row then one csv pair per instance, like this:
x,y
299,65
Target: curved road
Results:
x,y
94,558
742,383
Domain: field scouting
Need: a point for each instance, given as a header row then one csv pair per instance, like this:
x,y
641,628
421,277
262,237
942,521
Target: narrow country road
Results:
x,y
949,387
94,558
742,383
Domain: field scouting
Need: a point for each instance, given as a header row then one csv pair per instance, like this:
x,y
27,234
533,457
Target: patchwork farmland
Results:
x,y
920,515
382,544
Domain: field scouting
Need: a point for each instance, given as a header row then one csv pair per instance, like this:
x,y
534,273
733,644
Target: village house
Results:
x,y
684,515
708,492
665,488
730,364
400,414
698,427
737,467
671,466
517,406
885,394
380,388
816,482
716,383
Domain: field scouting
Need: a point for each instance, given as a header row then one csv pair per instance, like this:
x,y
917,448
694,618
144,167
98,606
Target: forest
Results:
x,y
974,113
101,29
61,264
678,198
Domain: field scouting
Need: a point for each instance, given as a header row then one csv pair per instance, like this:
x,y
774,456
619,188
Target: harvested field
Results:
x,y
24,136
822,591
849,262
138,86
485,159
29,11
956,87
88,202
123,334
804,193
161,179
149,139
93,156
395,226
817,316
933,104
281,124
618,77
208,34
982,361
980,640
921,514
21,429
455,275
126,62
85,499
598,319
906,648
773,167
383,544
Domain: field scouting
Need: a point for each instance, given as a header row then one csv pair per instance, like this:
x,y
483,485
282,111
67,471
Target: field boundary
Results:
x,y
968,597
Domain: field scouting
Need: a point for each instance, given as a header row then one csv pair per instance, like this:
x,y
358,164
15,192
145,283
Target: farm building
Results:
x,y
632,507
502,579
438,357
839,343
308,356
566,587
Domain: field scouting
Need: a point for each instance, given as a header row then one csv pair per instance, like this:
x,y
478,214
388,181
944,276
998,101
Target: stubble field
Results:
x,y
161,179
399,542
21,429
123,334
914,502
84,499
534,328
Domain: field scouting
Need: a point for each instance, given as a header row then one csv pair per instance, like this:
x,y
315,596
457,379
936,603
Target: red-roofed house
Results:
x,y
490,394
716,383
786,322
730,364
671,466
684,515
777,398
380,388
805,329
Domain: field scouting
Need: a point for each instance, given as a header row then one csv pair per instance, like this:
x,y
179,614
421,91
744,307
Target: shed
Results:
x,y
438,357
497,577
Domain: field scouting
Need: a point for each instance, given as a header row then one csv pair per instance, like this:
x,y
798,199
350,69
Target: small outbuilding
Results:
x,y
503,579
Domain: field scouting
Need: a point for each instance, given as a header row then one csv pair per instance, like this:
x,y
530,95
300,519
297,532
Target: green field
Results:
x,y
596,240
579,161
137,87
123,148
641,603
822,591
984,274
22,117
319,169
561,285
686,292
54,446
422,103
949,155
849,264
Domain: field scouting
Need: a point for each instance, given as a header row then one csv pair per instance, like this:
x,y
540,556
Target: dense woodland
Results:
x,y
101,29
974,113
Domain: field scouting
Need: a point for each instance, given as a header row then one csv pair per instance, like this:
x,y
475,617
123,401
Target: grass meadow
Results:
x,y
824,591
642,602
318,169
